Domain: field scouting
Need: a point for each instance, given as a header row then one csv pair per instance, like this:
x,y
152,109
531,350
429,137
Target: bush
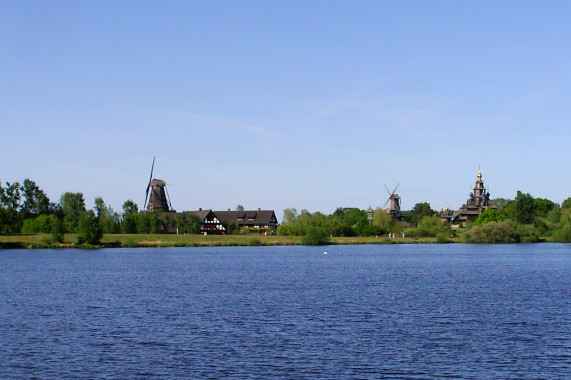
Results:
x,y
442,238
371,230
57,229
254,242
315,236
489,215
502,232
29,226
527,234
89,230
40,224
431,226
563,235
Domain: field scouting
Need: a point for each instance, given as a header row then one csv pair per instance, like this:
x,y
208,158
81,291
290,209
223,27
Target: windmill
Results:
x,y
394,199
159,198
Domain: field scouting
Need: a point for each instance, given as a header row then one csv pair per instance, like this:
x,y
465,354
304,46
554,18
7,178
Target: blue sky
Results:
x,y
277,104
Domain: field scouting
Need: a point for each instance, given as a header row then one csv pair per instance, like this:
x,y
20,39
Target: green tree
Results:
x,y
72,206
109,219
431,226
10,198
336,226
566,203
502,232
57,228
554,215
231,227
525,208
188,223
349,221
290,214
239,208
154,222
510,210
315,236
89,229
562,235
384,220
165,223
129,218
542,206
419,211
143,221
130,207
489,215
35,202
40,224
371,230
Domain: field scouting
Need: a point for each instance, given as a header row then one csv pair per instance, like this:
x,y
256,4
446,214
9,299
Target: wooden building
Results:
x,y
216,222
478,201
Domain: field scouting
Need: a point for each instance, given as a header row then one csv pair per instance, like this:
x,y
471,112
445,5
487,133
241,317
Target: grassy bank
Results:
x,y
150,240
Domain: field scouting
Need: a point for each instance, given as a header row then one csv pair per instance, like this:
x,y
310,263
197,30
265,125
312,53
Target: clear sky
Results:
x,y
276,104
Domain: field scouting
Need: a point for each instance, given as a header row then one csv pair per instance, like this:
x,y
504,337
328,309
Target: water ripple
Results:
x,y
414,312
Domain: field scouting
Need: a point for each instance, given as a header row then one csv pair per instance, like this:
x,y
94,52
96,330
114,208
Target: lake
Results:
x,y
373,311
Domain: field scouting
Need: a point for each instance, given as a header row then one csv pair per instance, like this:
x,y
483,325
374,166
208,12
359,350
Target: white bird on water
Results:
x,y
325,252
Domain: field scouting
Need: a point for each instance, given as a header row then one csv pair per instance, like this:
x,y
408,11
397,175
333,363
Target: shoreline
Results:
x,y
43,241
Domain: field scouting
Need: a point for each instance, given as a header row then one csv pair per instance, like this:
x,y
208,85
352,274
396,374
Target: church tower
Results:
x,y
478,201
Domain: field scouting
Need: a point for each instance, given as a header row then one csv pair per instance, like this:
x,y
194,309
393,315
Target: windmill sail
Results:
x,y
156,194
149,184
394,199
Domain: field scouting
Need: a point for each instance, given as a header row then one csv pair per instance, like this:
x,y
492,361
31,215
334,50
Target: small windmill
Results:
x,y
159,198
394,199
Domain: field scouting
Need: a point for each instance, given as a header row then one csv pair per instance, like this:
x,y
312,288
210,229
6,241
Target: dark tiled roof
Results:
x,y
201,213
256,217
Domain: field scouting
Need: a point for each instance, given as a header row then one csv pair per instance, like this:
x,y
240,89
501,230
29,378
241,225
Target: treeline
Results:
x,y
524,219
316,228
25,208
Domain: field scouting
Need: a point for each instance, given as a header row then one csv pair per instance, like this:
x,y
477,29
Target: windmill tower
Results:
x,y
394,199
158,197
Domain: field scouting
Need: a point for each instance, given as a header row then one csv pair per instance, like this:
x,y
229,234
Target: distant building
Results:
x,y
446,215
478,201
216,222
370,213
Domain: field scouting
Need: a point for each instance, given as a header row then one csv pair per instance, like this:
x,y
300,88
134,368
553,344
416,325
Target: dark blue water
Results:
x,y
412,311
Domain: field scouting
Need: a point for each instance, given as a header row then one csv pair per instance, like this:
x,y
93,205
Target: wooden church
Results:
x,y
478,201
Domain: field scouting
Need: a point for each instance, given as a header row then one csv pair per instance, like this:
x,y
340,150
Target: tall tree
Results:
x,y
109,219
99,206
384,220
420,210
129,220
525,208
36,202
188,223
542,206
10,198
89,229
130,207
72,206
290,214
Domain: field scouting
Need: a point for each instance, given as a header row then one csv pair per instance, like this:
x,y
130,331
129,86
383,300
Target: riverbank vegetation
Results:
x,y
43,240
29,219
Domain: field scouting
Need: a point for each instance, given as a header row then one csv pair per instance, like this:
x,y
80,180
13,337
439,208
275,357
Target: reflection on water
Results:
x,y
411,311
